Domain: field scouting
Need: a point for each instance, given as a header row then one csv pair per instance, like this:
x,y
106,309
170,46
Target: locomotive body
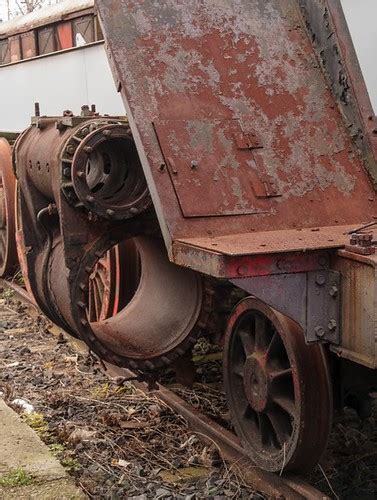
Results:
x,y
236,201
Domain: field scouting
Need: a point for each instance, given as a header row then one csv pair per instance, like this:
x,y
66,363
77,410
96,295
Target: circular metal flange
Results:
x,y
168,312
8,252
102,173
278,388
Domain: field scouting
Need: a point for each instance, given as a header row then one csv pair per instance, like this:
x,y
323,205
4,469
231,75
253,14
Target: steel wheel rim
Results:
x,y
8,254
270,390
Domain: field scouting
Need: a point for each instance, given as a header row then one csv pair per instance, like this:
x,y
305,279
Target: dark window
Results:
x,y
28,45
83,30
4,52
46,40
15,48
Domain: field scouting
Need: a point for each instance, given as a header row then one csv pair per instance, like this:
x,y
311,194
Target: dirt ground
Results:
x,y
119,443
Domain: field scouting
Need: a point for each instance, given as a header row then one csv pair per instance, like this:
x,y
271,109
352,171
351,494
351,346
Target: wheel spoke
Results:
x,y
286,404
275,346
280,374
260,333
282,428
247,342
238,369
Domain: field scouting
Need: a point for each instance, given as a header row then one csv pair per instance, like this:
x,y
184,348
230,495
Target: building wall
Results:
x,y
63,80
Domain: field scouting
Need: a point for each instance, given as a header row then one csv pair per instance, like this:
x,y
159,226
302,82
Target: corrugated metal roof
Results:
x,y
43,16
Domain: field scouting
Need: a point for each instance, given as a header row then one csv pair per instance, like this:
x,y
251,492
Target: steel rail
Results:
x,y
286,486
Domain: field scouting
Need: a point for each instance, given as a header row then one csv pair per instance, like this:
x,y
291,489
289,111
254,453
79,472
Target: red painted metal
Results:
x,y
229,119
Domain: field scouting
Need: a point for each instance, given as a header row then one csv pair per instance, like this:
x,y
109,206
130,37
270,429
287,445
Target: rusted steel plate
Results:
x,y
263,242
181,62
359,307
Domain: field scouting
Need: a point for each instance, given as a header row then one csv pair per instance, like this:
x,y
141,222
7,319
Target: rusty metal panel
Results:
x,y
84,26
46,40
205,61
359,308
224,153
28,45
4,52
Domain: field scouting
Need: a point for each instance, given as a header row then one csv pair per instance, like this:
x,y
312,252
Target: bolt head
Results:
x,y
319,331
332,325
320,279
333,291
90,199
88,150
110,212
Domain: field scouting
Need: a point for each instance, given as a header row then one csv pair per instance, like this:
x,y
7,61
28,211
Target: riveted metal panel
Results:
x,y
251,61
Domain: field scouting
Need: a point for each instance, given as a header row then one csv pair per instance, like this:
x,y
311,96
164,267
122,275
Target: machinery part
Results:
x,y
278,388
102,171
312,299
113,281
169,310
8,254
93,160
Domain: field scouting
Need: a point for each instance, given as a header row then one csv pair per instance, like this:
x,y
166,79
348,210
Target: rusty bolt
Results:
x,y
81,305
134,210
110,212
333,291
194,165
67,112
332,325
90,199
83,287
320,279
106,133
242,270
85,131
71,149
319,331
80,174
88,149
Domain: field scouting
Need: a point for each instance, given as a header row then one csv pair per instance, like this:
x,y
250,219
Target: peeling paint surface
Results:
x,y
234,122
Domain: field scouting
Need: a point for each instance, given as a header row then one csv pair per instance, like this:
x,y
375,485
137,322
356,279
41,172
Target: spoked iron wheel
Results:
x,y
8,253
278,389
113,281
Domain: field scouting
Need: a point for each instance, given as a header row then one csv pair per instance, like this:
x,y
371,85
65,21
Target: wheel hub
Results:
x,y
256,383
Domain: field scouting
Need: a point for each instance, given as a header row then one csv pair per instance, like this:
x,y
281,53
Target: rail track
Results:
x,y
282,486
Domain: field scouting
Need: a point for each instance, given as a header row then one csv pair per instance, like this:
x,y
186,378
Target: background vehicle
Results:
x,y
54,56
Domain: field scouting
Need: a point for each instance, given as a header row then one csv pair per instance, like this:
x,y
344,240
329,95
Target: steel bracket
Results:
x,y
312,299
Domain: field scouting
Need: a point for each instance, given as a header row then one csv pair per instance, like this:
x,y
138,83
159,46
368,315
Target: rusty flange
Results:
x,y
278,388
101,171
8,253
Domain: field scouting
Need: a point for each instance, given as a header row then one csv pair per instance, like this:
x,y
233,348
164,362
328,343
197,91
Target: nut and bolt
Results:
x,y
333,291
332,325
71,149
361,239
320,279
319,331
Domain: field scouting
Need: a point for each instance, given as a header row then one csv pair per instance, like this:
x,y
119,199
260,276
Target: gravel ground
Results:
x,y
119,443
116,441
